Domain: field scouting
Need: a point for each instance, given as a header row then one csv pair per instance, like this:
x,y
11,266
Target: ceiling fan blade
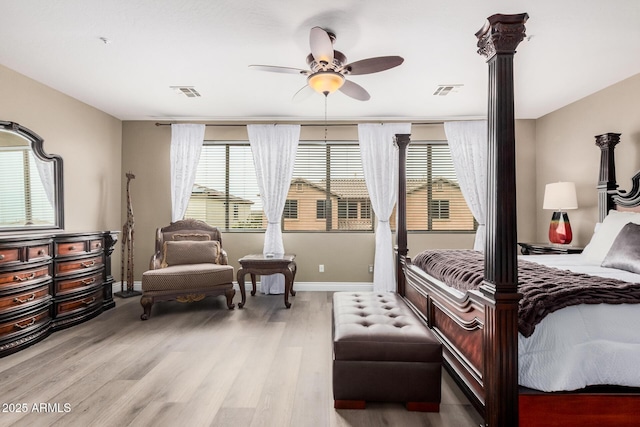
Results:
x,y
321,45
305,92
276,69
372,65
355,91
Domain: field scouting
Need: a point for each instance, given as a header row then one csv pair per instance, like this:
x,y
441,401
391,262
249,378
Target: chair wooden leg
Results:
x,y
147,303
229,293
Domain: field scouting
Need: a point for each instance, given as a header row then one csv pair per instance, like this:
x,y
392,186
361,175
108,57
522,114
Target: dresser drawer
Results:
x,y
77,305
8,255
95,245
25,252
25,322
70,248
24,299
78,265
36,253
77,284
79,247
21,278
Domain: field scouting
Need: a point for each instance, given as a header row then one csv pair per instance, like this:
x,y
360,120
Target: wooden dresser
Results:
x,y
50,282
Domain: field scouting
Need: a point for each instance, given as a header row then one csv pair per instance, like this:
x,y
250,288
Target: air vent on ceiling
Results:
x,y
444,90
188,91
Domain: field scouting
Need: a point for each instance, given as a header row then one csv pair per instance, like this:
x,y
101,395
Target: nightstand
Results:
x,y
548,249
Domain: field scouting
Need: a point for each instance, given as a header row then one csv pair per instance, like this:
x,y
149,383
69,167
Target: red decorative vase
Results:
x,y
560,229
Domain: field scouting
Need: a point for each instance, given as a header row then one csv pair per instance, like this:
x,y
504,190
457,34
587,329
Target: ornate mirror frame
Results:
x,y
36,143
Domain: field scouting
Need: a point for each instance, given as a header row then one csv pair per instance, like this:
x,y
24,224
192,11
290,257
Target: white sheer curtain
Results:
x,y
380,164
468,144
274,153
186,145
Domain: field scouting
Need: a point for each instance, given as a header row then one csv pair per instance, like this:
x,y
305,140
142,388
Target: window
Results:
x,y
327,191
290,209
439,209
434,198
321,209
333,181
225,193
365,209
347,209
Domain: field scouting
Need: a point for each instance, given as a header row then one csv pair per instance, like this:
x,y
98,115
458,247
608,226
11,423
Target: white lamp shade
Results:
x,y
560,196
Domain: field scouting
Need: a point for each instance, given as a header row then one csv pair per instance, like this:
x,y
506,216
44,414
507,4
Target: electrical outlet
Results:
x,y
370,268
321,268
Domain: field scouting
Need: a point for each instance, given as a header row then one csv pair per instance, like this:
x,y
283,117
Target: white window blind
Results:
x,y
327,191
328,183
225,193
434,199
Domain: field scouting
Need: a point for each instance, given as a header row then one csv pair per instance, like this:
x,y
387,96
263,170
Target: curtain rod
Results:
x,y
307,125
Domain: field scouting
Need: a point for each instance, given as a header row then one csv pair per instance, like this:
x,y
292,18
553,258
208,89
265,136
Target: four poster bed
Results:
x,y
482,327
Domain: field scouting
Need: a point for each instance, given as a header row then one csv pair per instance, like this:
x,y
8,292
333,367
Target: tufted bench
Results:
x,y
382,352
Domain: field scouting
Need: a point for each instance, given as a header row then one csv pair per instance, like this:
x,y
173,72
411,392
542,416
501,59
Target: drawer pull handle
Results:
x,y
98,245
40,252
19,326
89,280
71,248
89,301
22,301
88,264
1,257
25,278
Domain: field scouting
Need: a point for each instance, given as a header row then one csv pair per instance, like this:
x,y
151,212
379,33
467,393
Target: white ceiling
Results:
x,y
575,48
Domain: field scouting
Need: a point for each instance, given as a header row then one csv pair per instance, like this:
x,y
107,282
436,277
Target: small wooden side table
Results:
x,y
548,249
266,265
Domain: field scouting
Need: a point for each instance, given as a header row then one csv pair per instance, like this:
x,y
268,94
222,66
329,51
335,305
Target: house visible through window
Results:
x,y
327,191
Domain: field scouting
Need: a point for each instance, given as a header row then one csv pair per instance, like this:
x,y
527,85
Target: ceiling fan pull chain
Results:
x,y
325,118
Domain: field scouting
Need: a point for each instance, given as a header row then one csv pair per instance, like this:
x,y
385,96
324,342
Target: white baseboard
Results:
x,y
299,286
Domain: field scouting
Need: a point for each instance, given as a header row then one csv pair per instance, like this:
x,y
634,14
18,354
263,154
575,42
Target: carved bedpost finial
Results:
x,y
501,34
607,179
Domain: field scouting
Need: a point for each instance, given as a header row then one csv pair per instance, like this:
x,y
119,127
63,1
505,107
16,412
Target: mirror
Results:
x,y
31,196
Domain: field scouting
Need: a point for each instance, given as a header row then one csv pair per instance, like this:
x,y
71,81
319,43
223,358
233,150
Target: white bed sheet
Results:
x,y
586,344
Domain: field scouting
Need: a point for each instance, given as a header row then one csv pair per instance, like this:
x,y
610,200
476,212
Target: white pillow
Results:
x,y
605,234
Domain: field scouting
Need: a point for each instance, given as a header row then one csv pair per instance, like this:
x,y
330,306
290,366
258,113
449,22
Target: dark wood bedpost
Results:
x,y
497,41
402,142
607,180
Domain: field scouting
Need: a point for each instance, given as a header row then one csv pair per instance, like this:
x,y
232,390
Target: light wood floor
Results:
x,y
199,364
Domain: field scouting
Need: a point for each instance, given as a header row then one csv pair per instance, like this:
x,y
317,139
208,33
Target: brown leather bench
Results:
x,y
383,353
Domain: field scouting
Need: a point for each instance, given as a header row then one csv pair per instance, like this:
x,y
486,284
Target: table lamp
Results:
x,y
560,196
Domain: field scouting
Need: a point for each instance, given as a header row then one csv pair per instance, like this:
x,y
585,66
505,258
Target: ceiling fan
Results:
x,y
328,68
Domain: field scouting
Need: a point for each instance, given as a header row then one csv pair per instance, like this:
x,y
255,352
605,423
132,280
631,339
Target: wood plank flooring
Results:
x,y
198,364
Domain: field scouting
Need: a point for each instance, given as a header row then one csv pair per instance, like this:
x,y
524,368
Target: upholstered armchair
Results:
x,y
188,265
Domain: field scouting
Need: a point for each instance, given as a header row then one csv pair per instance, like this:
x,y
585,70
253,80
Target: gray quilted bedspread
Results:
x,y
544,289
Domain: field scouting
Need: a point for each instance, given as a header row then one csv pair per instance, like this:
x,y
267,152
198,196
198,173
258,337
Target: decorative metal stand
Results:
x,y
127,242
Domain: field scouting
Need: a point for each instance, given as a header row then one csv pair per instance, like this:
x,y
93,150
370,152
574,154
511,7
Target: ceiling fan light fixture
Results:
x,y
325,82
